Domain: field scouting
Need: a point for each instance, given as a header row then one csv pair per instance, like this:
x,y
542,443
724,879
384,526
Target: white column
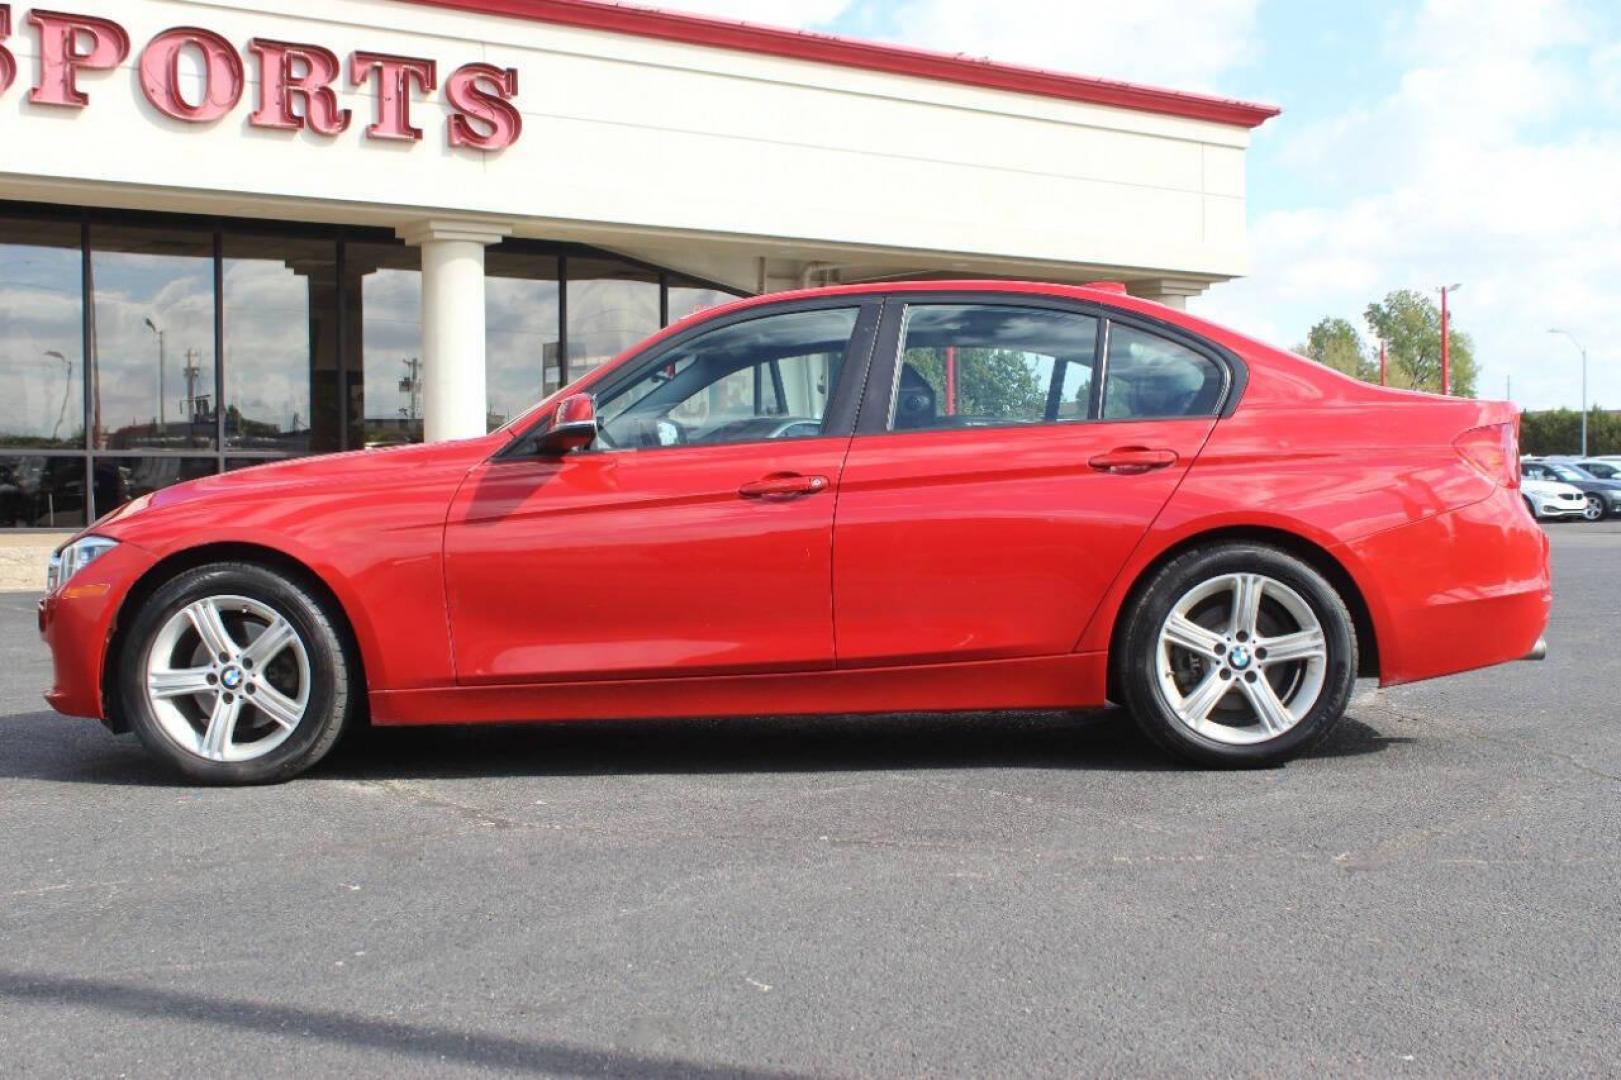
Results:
x,y
1172,292
454,405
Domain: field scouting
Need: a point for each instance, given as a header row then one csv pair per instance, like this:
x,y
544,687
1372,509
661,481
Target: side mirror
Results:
x,y
574,427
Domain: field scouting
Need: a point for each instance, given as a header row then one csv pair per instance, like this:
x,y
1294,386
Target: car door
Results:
x,y
1010,456
694,537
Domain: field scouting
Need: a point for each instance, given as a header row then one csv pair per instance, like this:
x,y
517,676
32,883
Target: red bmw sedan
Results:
x,y
940,496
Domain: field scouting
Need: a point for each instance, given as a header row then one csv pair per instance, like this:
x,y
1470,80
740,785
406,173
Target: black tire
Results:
x,y
1137,659
334,683
1531,508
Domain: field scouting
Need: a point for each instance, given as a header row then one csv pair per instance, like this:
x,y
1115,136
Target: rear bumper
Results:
x,y
77,624
1463,590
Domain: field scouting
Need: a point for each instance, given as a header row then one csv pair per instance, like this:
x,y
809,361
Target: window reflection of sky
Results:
x,y
175,293
41,336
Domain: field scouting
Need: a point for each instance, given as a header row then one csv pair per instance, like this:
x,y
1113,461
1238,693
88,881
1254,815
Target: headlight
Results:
x,y
75,557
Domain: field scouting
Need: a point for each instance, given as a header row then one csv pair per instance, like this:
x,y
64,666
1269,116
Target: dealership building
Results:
x,y
236,231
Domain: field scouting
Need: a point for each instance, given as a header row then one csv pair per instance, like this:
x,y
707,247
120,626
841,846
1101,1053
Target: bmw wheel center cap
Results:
x,y
1239,657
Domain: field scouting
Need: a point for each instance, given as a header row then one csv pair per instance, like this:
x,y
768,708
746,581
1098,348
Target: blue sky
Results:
x,y
1422,142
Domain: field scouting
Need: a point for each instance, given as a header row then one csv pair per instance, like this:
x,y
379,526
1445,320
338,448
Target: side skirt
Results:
x,y
1052,682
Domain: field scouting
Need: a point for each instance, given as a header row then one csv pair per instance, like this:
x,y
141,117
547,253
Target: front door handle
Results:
x,y
784,486
1133,460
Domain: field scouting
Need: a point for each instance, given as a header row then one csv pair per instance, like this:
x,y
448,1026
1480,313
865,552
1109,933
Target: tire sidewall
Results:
x,y
1140,658
325,715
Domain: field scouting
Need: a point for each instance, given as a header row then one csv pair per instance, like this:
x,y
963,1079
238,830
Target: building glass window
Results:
x,y
383,285
611,306
41,335
41,492
689,298
129,343
522,312
152,330
122,478
280,298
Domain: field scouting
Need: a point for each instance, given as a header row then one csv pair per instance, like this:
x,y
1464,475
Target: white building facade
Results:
x,y
232,231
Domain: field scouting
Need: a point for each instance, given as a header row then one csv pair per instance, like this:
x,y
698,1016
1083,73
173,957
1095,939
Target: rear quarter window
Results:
x,y
1150,377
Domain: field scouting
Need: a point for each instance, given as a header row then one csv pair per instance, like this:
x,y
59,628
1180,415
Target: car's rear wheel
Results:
x,y
1237,655
1594,510
235,674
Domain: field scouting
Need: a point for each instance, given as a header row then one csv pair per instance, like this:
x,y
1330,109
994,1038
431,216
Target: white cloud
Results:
x,y
790,13
1468,170
1165,42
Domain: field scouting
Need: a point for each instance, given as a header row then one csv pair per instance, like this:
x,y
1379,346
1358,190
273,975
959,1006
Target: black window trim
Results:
x,y
885,368
842,409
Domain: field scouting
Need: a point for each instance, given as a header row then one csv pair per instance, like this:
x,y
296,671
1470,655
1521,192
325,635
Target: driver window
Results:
x,y
768,378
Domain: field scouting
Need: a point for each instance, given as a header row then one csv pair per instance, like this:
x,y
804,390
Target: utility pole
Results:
x,y
67,385
191,371
411,384
1446,340
163,392
1384,362
1583,350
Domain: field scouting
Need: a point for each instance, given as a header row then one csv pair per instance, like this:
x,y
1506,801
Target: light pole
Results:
x,y
1446,340
1583,350
67,387
163,417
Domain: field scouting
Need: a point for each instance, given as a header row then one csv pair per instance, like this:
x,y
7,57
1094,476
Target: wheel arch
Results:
x,y
1308,551
172,566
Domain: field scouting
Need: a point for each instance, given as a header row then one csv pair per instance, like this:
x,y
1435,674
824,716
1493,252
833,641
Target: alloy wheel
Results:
x,y
228,678
1594,510
1242,659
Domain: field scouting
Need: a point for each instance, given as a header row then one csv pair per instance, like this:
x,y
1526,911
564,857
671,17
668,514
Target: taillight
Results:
x,y
1494,450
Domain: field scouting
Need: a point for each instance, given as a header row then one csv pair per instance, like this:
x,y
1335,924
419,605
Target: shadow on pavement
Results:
x,y
47,748
438,1044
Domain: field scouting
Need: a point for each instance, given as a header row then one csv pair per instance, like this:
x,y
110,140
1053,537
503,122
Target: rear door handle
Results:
x,y
790,486
1132,460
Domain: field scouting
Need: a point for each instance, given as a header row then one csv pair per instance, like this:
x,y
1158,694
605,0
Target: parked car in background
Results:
x,y
1550,500
1602,498
941,496
1601,468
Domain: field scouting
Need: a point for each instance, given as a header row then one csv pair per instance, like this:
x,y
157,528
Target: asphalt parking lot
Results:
x,y
1435,892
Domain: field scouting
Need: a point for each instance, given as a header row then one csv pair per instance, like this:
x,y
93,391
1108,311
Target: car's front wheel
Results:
x,y
1237,655
1594,510
235,674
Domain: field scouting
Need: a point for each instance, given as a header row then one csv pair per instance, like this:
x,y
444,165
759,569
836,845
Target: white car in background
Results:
x,y
1552,499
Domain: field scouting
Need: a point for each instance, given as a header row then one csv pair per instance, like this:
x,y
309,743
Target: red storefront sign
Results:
x,y
297,82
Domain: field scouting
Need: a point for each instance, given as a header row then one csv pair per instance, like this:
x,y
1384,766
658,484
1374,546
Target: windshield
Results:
x,y
1569,472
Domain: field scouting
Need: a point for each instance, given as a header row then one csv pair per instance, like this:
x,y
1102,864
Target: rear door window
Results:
x,y
986,365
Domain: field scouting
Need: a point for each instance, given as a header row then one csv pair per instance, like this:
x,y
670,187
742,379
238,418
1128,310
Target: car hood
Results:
x,y
355,472
1549,487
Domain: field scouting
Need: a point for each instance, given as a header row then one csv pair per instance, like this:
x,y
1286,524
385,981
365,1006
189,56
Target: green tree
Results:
x,y
990,382
1336,344
1411,323
1559,431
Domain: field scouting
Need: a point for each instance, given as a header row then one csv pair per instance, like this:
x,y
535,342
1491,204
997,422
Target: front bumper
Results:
x,y
1557,508
77,623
